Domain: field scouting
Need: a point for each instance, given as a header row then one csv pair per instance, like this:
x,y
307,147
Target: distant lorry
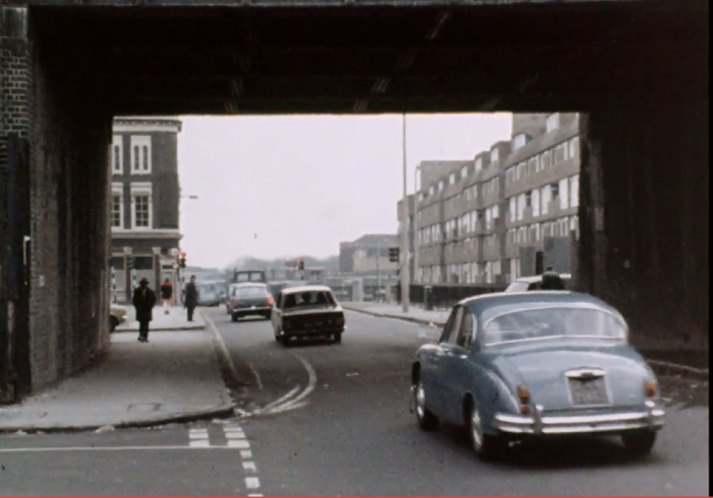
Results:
x,y
241,276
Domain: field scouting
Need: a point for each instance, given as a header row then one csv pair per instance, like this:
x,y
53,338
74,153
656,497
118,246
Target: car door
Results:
x,y
442,352
459,366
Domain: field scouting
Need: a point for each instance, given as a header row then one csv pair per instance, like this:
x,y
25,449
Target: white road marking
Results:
x,y
250,467
255,494
238,443
223,348
246,454
279,401
252,482
109,448
199,443
235,435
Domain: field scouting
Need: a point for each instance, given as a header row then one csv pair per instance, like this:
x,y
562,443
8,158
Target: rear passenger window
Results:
x,y
465,334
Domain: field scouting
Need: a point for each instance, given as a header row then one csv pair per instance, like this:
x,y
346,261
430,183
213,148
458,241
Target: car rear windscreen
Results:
x,y
247,292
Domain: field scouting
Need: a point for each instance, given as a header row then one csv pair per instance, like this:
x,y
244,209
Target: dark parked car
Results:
x,y
308,311
249,299
536,364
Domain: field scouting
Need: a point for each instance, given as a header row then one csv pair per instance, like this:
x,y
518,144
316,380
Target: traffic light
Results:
x,y
182,260
394,254
301,264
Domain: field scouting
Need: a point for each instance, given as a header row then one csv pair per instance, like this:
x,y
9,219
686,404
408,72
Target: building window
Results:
x,y
141,206
117,155
440,186
535,202
478,164
574,147
552,122
494,155
564,193
140,154
117,207
574,190
451,179
464,171
519,141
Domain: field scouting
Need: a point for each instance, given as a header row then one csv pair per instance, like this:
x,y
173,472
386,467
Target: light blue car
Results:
x,y
510,366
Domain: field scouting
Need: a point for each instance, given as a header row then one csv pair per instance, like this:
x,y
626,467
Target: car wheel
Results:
x,y
113,323
639,442
337,337
285,339
486,446
234,317
427,421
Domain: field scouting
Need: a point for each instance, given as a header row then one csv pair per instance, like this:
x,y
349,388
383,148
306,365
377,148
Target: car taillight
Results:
x,y
650,388
523,395
339,321
270,301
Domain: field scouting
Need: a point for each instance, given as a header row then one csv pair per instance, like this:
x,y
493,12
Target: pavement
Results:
x,y
174,377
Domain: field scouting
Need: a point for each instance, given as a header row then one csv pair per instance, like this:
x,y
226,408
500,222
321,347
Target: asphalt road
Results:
x,y
333,419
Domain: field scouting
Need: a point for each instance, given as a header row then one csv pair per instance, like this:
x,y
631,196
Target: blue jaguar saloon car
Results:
x,y
511,366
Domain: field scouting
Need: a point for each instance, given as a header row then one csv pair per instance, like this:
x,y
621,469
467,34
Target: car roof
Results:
x,y
538,278
488,305
305,288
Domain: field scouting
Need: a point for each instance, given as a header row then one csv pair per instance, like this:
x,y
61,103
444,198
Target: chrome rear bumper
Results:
x,y
541,424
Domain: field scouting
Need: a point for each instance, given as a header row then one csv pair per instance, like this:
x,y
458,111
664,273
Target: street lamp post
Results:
x,y
404,231
415,224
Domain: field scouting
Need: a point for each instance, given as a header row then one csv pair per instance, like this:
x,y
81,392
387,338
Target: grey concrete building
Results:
x,y
369,255
145,197
405,214
542,192
476,221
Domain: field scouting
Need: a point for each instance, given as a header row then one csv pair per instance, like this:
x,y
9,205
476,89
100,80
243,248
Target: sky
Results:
x,y
288,186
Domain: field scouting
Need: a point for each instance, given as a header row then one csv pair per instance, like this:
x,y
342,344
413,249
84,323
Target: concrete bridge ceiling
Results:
x,y
372,59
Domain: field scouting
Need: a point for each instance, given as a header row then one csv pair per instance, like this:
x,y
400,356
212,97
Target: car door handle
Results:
x,y
463,356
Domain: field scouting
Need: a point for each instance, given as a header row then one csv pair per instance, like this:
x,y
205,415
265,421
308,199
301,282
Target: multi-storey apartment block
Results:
x,y
506,212
542,192
144,204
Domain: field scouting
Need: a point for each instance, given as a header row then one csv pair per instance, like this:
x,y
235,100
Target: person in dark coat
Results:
x,y
191,297
551,280
144,300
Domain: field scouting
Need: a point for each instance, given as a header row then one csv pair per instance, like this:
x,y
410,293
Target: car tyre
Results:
x,y
234,317
337,337
639,442
285,340
427,421
113,323
486,446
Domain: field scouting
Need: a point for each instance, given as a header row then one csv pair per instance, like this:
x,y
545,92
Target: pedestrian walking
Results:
x,y
191,299
166,295
144,300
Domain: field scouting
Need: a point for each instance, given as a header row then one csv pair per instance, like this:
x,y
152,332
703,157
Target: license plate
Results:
x,y
588,392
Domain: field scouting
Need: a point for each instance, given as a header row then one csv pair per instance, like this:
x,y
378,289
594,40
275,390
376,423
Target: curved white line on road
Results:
x,y
310,384
290,401
283,399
